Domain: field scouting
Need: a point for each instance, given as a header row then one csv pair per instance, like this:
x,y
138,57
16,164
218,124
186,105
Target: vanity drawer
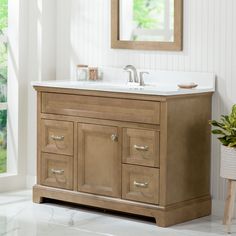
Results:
x,y
57,171
141,147
101,108
140,184
57,137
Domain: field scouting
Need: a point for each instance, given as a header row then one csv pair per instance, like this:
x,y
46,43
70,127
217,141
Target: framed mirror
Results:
x,y
147,24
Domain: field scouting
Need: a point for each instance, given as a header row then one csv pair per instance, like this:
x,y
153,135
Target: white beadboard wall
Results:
x,y
83,35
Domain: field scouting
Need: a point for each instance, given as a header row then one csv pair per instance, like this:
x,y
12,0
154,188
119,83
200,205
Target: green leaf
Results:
x,y
217,124
232,144
232,116
227,128
233,113
225,117
218,131
223,141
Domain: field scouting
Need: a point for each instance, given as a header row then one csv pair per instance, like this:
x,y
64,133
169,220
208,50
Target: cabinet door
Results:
x,y
99,160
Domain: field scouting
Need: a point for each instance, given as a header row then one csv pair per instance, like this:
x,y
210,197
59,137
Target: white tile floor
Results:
x,y
20,217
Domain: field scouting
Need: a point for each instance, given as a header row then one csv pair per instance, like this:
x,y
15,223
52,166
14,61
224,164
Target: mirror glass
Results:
x,y
146,20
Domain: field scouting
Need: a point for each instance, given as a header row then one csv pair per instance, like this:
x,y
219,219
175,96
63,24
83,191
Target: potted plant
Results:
x,y
226,131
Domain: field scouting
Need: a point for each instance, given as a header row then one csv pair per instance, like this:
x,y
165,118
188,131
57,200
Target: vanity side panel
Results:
x,y
39,100
188,148
163,154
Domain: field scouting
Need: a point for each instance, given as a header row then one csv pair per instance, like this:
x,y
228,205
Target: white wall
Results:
x,y
41,66
83,31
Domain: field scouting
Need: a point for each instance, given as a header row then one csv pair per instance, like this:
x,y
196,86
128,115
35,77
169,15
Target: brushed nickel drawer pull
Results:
x,y
114,137
57,172
141,185
141,148
57,138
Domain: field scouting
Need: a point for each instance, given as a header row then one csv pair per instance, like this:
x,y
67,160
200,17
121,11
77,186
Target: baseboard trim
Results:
x,y
30,181
218,208
11,183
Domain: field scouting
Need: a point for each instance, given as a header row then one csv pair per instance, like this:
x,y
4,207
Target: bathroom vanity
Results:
x,y
139,151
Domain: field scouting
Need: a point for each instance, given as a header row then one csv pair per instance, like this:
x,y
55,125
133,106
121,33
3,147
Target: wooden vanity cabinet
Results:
x,y
141,154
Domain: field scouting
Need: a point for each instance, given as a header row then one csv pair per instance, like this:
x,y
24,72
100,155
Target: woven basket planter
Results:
x,y
228,163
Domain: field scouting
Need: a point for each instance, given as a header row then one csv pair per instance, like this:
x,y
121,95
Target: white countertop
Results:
x,y
157,83
166,90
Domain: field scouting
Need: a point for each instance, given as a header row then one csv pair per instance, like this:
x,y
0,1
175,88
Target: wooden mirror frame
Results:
x,y
176,45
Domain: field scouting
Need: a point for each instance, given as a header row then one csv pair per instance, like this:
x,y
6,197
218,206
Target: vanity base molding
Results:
x,y
164,216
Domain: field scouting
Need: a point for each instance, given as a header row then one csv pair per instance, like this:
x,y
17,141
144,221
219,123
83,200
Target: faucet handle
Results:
x,y
141,80
130,75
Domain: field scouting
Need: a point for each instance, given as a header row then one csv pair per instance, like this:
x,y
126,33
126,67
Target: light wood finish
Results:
x,y
163,154
185,149
227,201
39,150
140,184
57,137
100,122
175,127
37,198
75,161
141,147
57,171
165,216
115,109
99,161
189,210
229,205
176,45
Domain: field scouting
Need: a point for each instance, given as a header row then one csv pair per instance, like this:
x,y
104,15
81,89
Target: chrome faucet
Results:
x,y
133,75
132,71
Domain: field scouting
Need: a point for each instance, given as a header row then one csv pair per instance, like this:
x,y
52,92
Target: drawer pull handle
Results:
x,y
57,172
141,148
114,138
141,185
57,138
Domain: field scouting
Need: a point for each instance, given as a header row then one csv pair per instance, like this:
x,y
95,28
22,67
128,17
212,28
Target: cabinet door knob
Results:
x,y
114,137
141,148
57,138
57,172
141,185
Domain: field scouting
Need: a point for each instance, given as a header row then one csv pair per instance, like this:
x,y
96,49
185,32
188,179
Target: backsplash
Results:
x,y
83,34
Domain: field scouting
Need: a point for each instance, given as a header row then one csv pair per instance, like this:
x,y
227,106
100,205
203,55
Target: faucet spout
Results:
x,y
134,71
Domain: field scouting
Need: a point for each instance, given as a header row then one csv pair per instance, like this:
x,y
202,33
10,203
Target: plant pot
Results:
x,y
228,163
